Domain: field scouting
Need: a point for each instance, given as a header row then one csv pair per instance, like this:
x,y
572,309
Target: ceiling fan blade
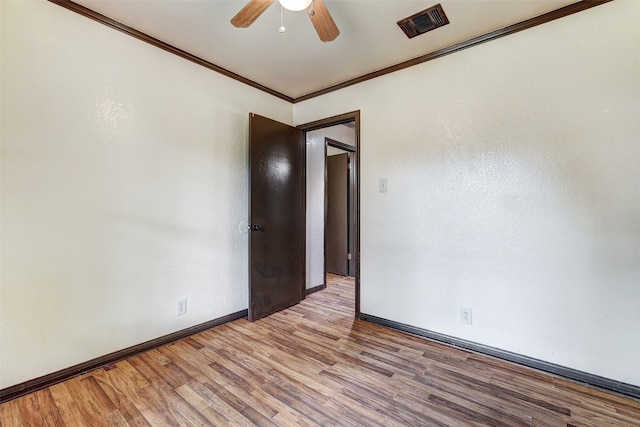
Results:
x,y
250,13
322,21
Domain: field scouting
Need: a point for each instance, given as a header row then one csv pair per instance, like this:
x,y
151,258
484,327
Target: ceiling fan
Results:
x,y
316,10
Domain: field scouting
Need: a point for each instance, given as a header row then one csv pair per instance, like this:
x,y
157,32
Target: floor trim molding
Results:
x,y
602,383
48,380
314,289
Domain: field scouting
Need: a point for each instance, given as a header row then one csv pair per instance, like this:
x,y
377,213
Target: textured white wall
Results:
x,y
124,178
333,151
514,189
315,196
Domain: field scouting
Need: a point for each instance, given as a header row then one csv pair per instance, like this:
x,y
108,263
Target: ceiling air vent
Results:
x,y
421,22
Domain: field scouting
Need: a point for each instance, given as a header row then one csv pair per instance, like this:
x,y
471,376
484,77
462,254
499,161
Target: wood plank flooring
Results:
x,y
314,365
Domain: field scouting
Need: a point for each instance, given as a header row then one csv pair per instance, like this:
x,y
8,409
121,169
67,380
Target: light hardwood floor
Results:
x,y
310,365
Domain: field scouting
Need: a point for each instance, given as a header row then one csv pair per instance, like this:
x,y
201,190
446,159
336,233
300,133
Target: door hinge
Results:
x,y
348,256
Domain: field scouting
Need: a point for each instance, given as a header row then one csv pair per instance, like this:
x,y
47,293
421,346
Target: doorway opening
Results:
x,y
328,141
339,209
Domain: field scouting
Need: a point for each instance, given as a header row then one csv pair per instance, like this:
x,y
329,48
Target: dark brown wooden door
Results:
x,y
276,216
336,230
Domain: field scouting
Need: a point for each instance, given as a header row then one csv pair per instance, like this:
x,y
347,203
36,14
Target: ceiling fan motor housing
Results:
x,y
295,5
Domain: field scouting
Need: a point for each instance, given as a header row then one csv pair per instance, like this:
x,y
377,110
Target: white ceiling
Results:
x,y
296,62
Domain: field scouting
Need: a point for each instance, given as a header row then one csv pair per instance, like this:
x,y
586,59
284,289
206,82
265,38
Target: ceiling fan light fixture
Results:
x,y
318,13
295,5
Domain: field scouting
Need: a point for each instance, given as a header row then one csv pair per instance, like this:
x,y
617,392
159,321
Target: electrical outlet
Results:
x,y
465,316
181,307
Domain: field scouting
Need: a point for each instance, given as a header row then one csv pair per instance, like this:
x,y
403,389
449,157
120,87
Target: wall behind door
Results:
x,y
124,178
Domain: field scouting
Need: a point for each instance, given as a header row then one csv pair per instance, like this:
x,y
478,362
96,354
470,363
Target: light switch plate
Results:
x,y
383,187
